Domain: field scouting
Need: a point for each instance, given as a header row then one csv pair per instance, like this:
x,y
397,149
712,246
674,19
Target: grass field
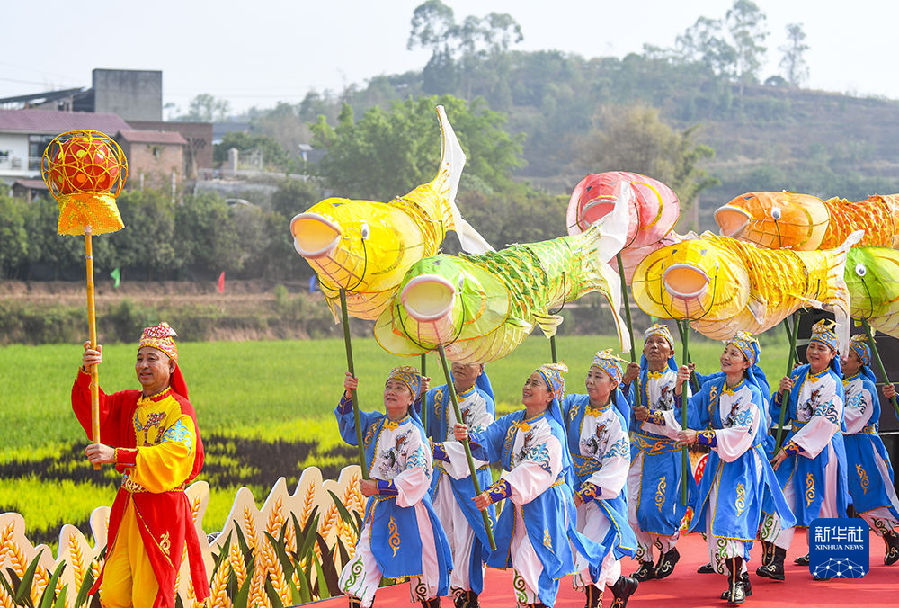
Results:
x,y
264,410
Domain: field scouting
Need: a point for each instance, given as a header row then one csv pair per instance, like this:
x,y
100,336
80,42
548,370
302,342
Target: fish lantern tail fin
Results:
x,y
836,297
452,161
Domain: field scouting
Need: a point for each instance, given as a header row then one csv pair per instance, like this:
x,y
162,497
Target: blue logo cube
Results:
x,y
838,548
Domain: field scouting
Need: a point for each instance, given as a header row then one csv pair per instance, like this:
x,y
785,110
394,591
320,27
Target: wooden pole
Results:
x,y
471,467
630,327
92,329
785,397
684,328
869,331
348,343
424,401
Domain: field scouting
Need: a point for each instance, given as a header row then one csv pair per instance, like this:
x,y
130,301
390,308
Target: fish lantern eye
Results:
x,y
775,213
861,270
364,231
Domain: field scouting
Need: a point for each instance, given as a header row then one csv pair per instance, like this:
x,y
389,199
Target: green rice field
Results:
x,y
264,411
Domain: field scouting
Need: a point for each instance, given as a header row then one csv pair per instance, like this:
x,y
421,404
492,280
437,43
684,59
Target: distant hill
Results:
x,y
765,137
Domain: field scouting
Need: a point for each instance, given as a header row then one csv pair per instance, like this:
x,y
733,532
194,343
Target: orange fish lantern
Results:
x,y
85,172
790,220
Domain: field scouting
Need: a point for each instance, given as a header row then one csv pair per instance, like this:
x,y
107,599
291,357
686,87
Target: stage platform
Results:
x,y
685,588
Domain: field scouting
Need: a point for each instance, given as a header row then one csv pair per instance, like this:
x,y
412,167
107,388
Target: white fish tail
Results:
x,y
452,161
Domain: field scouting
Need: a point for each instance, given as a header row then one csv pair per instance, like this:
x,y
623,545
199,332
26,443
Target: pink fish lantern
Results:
x,y
654,207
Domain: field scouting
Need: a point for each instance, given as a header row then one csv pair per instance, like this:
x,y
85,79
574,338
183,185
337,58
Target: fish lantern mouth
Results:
x,y
314,235
428,297
731,220
685,281
594,210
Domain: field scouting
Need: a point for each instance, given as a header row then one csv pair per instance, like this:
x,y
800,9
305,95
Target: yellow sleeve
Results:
x,y
165,466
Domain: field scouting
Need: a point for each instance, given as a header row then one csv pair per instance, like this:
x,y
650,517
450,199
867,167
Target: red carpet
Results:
x,y
687,588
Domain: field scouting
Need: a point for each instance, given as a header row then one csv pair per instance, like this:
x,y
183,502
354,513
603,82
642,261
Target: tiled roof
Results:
x,y
153,137
52,123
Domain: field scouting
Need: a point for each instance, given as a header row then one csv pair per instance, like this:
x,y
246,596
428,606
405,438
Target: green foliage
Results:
x,y
388,153
635,139
273,153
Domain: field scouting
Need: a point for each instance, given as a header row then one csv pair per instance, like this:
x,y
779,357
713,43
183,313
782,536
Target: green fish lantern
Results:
x,y
481,307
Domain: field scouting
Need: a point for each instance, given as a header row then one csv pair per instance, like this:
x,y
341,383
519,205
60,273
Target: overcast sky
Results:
x,y
259,52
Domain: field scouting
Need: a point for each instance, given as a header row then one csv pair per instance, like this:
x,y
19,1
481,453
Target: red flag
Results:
x,y
222,283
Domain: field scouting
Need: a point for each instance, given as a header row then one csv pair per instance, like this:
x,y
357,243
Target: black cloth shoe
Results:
x,y
892,553
645,572
774,569
735,595
706,569
801,561
623,588
747,584
354,602
434,602
666,563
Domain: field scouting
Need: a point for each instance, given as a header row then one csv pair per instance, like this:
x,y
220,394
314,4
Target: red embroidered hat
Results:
x,y
160,337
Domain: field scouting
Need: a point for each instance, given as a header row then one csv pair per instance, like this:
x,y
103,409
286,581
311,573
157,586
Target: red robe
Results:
x,y
164,518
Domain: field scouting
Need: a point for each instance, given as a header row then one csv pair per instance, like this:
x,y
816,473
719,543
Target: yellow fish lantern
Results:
x,y
776,220
365,247
85,172
724,285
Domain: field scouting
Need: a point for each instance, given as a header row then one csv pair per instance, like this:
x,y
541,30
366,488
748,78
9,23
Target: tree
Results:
x,y
433,24
705,42
206,108
746,23
273,154
635,139
13,235
793,60
389,152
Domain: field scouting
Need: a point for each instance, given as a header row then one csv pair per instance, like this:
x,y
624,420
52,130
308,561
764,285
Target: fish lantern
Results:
x,y
653,210
85,172
776,220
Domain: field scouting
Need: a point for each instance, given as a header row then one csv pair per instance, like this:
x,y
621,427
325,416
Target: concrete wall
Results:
x,y
15,164
156,162
198,154
132,94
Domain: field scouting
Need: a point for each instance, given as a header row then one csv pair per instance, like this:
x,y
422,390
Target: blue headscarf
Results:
x,y
659,330
609,363
751,349
410,377
823,332
859,345
552,375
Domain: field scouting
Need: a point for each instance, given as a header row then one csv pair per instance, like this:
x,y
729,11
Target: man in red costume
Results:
x,y
152,438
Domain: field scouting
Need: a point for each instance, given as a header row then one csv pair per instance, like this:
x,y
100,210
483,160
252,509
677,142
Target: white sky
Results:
x,y
259,52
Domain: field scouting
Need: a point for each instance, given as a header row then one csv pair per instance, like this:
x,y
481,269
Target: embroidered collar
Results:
x,y
728,390
653,374
467,393
391,425
158,396
846,381
597,410
817,375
